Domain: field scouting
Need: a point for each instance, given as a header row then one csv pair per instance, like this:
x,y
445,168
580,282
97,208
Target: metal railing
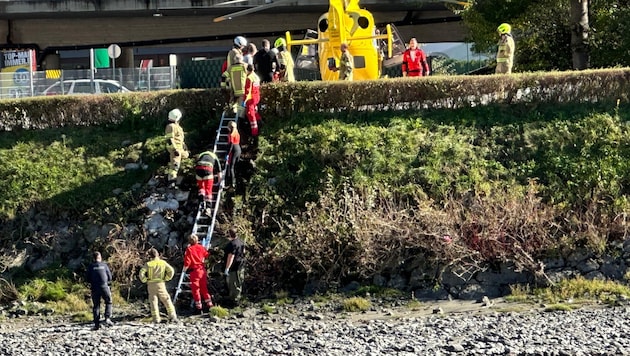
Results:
x,y
22,83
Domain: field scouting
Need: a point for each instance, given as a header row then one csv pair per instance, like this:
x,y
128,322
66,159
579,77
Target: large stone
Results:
x,y
506,276
578,256
15,259
379,280
587,266
38,263
556,276
431,294
156,205
552,263
173,240
397,281
475,291
595,275
613,269
456,277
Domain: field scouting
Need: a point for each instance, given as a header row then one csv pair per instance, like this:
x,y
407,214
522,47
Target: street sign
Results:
x,y
113,51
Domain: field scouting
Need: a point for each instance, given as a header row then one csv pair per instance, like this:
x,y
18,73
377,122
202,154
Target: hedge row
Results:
x,y
284,99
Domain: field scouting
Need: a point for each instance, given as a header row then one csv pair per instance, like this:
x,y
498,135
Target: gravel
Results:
x,y
588,331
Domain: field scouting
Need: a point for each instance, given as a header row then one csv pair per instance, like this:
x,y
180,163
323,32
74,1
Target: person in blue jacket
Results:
x,y
100,277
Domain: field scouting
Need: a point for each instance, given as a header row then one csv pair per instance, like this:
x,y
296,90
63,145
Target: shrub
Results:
x,y
219,312
355,304
8,291
42,290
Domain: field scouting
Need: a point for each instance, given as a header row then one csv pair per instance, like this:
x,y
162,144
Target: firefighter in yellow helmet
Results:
x,y
505,52
154,273
175,145
285,61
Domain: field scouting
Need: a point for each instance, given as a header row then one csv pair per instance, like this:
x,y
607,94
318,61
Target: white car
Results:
x,y
84,86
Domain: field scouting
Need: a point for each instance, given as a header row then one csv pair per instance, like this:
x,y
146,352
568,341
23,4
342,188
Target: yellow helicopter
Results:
x,y
346,22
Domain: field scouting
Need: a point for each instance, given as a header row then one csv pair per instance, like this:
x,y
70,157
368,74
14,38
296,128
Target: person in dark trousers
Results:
x,y
265,62
234,267
234,139
99,276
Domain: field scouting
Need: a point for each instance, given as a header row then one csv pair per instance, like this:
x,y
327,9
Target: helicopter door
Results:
x,y
307,58
398,48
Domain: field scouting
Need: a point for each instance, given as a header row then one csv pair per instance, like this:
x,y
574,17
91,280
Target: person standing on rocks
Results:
x,y
154,273
234,267
194,263
175,145
100,277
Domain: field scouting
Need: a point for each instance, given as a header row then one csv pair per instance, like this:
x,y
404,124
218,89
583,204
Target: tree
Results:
x,y
555,34
579,33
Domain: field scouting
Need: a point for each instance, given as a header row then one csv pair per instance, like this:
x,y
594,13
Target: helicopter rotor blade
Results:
x,y
229,2
250,11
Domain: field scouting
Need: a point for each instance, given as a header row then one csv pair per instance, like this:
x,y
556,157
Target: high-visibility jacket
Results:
x,y
236,70
174,137
194,256
505,52
225,76
156,270
205,165
285,61
415,63
252,87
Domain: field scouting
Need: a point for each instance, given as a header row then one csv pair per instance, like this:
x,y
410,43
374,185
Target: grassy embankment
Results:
x,y
338,198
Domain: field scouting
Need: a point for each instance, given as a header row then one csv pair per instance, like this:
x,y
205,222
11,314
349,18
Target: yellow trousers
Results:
x,y
157,291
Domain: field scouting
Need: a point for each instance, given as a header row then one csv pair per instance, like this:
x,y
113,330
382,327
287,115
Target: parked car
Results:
x,y
84,86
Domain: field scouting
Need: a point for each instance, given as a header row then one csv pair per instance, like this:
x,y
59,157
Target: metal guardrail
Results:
x,y
19,84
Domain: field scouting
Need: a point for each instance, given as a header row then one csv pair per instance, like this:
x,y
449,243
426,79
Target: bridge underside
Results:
x,y
50,33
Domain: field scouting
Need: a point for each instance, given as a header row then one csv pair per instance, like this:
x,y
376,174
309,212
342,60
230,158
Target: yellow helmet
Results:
x,y
504,28
280,42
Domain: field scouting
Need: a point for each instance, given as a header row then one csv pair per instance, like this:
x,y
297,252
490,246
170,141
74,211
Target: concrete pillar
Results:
x,y
126,63
51,61
126,58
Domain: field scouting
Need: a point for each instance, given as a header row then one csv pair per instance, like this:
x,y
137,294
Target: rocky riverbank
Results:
x,y
428,328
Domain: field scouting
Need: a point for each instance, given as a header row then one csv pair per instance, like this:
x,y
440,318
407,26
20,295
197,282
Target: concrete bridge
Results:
x,y
158,28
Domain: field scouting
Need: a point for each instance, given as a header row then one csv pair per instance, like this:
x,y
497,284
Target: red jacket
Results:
x,y
252,88
416,67
194,256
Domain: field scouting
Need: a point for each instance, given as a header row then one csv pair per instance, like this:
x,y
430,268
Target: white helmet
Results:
x,y
240,41
174,115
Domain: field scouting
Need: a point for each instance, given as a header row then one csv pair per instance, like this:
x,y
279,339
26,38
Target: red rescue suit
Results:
x,y
194,262
414,63
252,98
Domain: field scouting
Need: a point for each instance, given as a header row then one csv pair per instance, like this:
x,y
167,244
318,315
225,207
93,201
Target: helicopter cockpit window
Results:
x,y
323,25
363,22
359,62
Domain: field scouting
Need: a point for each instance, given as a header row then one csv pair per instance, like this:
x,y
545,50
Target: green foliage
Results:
x,y
356,304
42,290
450,66
559,307
268,309
377,291
542,31
575,290
219,312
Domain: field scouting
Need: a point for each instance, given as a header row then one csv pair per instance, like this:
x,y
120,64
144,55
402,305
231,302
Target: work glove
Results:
x,y
226,272
243,105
